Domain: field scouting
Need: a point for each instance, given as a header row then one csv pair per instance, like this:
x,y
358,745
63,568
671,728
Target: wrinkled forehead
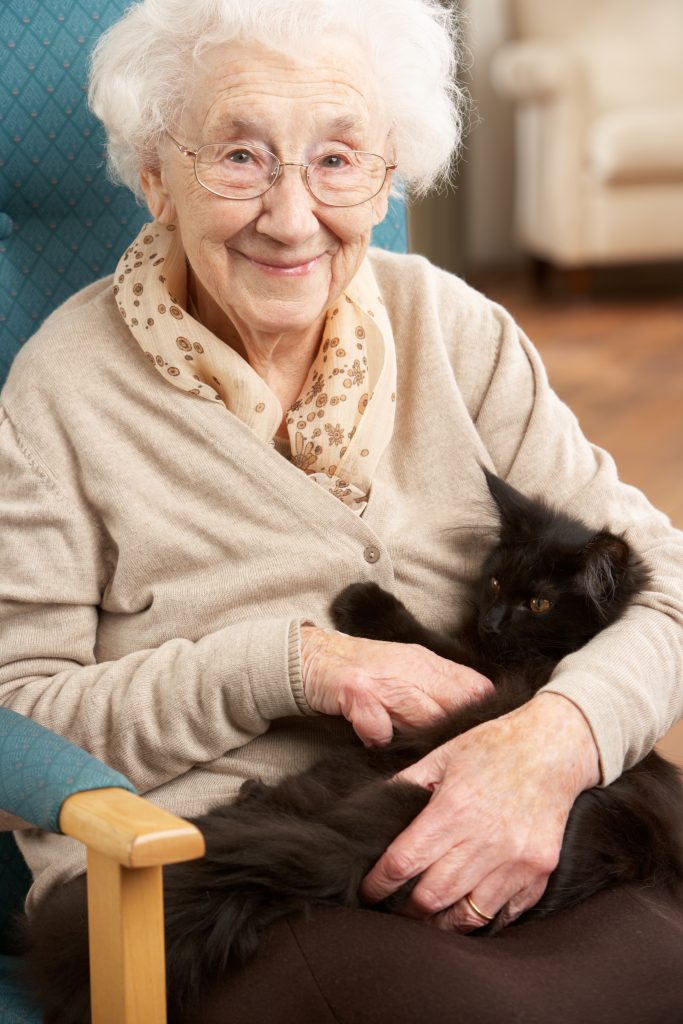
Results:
x,y
241,87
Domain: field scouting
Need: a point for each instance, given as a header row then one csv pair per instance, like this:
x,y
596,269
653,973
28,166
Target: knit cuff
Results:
x,y
275,671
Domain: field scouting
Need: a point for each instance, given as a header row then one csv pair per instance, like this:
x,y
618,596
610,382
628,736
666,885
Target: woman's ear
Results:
x,y
159,199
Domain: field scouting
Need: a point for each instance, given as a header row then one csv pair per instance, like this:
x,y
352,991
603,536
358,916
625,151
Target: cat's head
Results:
x,y
552,582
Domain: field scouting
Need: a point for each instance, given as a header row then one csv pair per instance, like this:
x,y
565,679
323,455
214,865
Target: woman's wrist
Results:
x,y
313,642
567,729
312,637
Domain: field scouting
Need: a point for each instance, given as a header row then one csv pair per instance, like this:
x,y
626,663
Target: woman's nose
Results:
x,y
287,212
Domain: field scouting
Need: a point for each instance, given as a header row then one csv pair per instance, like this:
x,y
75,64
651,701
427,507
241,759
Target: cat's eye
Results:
x,y
495,585
539,605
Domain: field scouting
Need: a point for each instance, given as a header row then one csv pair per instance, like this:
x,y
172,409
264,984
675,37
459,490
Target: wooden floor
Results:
x,y
619,364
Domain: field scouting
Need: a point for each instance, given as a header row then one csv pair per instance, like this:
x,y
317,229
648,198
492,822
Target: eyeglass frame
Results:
x,y
277,173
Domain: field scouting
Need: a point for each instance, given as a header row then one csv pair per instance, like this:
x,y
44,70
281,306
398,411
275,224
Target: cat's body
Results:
x,y
548,587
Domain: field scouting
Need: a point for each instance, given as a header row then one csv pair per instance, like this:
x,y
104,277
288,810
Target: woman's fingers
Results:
x,y
380,686
496,867
428,839
464,916
516,871
494,899
522,901
369,717
501,792
493,828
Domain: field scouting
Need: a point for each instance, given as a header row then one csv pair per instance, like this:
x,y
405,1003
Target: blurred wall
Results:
x,y
472,225
638,61
487,170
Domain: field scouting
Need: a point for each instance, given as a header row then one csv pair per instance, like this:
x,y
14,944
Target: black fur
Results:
x,y
310,840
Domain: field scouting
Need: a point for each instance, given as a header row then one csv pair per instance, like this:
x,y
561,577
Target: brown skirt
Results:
x,y
615,959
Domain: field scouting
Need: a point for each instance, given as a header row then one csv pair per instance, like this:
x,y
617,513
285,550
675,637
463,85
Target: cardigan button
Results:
x,y
5,226
371,554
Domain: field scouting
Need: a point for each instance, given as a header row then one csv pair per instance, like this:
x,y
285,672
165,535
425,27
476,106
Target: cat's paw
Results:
x,y
364,609
251,790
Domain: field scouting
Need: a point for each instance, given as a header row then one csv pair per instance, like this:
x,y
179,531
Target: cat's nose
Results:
x,y
493,620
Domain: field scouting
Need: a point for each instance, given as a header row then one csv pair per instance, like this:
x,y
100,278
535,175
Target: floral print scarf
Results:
x,y
344,417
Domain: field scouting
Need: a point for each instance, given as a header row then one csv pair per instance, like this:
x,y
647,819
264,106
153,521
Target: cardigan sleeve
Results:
x,y
152,714
628,681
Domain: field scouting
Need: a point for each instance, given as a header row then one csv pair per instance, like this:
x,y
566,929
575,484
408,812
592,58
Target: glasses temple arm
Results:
x,y
183,149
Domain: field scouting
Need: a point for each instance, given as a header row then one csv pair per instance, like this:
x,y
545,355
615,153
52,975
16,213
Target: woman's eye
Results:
x,y
495,585
333,161
239,156
539,605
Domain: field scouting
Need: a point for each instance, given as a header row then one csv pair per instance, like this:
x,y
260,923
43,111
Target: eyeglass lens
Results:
x,y
245,172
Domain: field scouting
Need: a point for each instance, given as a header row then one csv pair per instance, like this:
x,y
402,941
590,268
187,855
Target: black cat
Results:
x,y
548,587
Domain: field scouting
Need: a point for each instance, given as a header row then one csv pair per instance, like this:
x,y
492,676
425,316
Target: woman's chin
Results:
x,y
284,303
277,317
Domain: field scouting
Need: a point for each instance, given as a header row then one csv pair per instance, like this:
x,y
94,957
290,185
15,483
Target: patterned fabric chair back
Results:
x,y
62,222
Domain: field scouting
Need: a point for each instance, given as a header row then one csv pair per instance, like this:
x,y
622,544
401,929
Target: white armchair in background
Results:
x,y
598,89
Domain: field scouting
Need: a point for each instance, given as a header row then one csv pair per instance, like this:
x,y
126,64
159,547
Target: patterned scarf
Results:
x,y
344,417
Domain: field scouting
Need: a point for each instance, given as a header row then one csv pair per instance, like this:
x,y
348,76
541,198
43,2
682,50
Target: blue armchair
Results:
x,y
49,782
62,223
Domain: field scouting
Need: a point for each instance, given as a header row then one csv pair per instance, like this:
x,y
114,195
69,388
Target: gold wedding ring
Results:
x,y
476,909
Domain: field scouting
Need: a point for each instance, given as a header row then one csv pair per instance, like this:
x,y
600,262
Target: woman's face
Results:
x,y
273,264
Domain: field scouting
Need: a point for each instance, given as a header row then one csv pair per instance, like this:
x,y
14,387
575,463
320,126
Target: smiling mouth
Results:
x,y
290,268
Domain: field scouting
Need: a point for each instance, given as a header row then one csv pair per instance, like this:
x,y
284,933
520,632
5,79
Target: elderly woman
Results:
x,y
257,410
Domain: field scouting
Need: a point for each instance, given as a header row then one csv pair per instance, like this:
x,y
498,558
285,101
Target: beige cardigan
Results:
x,y
156,558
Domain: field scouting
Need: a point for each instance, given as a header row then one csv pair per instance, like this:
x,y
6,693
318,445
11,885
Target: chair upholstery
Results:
x,y
50,783
598,88
41,769
15,1007
38,771
62,222
15,879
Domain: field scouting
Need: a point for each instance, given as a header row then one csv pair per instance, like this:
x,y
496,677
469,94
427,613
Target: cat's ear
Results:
x,y
518,514
605,561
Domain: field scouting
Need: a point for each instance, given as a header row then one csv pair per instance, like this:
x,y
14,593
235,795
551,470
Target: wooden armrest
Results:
x,y
128,841
129,829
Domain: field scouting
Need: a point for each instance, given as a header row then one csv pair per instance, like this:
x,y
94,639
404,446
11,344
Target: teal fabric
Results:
x,y
14,1005
15,879
392,233
38,771
62,223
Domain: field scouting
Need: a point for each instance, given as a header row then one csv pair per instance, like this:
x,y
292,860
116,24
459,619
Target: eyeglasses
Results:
x,y
238,170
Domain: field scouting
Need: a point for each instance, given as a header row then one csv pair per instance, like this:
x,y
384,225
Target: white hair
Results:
x,y
143,70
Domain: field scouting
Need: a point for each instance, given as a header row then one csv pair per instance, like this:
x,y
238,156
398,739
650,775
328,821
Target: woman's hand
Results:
x,y
493,828
380,686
